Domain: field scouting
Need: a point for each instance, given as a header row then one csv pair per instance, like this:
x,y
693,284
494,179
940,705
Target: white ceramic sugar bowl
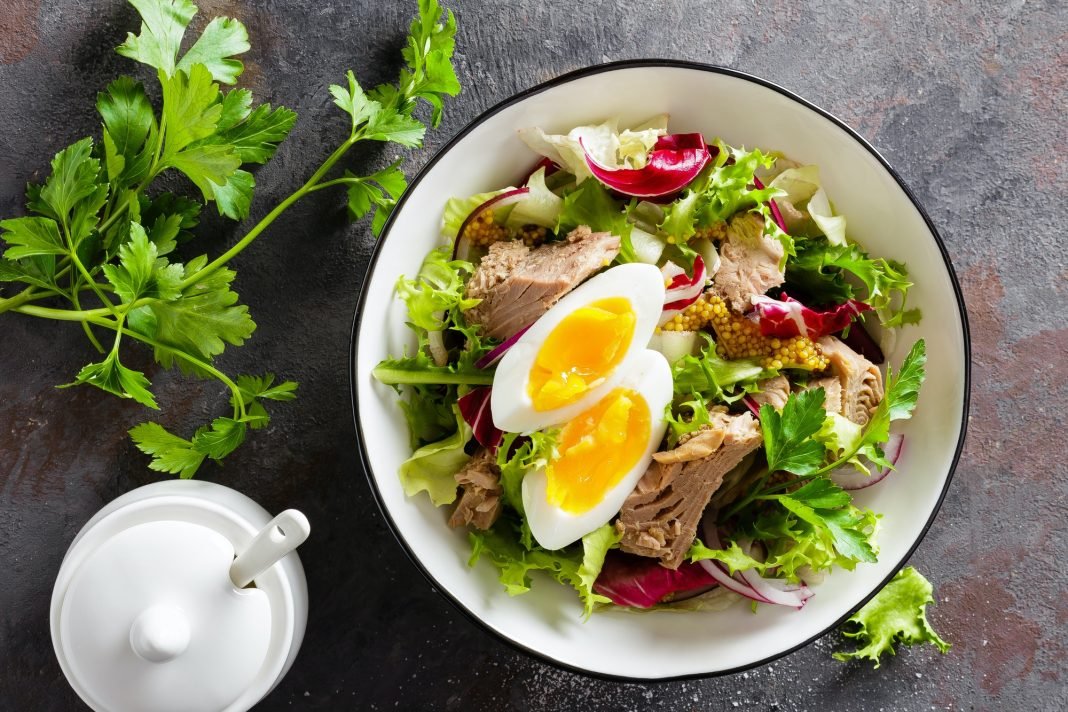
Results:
x,y
151,611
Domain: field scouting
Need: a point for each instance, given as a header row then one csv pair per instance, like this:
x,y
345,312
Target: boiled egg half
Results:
x,y
602,453
577,351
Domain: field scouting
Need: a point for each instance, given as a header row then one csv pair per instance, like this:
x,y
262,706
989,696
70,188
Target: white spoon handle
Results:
x,y
282,535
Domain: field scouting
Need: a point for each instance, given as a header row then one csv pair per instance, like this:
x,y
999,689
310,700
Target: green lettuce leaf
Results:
x,y
436,290
897,614
591,204
431,467
715,378
576,566
458,209
536,452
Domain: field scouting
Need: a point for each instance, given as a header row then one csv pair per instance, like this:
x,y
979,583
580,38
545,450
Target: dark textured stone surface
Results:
x,y
966,99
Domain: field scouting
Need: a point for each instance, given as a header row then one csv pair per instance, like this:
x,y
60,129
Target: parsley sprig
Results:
x,y
95,246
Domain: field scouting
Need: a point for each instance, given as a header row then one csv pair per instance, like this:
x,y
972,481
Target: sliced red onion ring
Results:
x,y
475,409
775,591
856,480
495,355
461,249
672,164
749,583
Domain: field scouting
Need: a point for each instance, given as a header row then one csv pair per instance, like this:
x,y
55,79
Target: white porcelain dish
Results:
x,y
883,216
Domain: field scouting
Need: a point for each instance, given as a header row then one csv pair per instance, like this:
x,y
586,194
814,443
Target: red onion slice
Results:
x,y
461,249
774,591
752,405
855,480
667,170
495,355
749,583
475,409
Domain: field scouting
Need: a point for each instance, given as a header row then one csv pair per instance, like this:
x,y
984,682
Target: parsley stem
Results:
x,y
26,295
85,325
270,217
753,494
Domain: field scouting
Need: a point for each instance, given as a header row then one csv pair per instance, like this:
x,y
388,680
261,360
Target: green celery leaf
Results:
x,y
211,168
223,38
897,614
236,107
234,197
190,108
75,178
200,322
432,467
380,190
128,123
140,272
788,440
28,237
110,375
354,102
256,138
163,24
221,439
170,453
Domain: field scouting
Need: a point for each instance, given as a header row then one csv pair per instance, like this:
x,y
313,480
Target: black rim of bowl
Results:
x,y
564,79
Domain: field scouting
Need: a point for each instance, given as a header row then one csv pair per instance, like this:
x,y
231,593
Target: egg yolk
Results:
x,y
597,449
580,352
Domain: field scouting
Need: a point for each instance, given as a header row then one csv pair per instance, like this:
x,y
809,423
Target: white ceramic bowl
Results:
x,y
883,216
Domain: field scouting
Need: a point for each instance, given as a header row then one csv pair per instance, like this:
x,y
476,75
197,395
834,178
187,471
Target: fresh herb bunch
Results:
x,y
98,232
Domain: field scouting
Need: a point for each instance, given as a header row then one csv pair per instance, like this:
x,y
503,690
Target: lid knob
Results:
x,y
160,633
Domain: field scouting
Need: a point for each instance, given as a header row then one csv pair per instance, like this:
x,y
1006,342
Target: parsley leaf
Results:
x,y
170,453
163,24
139,273
788,439
897,614
200,322
380,190
221,40
113,377
29,237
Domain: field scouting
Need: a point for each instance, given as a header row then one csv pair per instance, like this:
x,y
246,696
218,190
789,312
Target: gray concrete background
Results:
x,y
966,99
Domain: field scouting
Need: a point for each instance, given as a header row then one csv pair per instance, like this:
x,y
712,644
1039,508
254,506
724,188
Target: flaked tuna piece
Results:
x,y
860,379
749,262
480,504
660,517
519,284
773,391
832,389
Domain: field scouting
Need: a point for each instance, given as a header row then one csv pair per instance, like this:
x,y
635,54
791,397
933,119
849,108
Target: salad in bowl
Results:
x,y
651,368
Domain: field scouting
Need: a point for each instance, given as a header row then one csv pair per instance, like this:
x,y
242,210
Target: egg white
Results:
x,y
511,405
552,527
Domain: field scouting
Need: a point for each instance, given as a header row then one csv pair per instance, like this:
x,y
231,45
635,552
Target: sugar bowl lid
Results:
x,y
155,612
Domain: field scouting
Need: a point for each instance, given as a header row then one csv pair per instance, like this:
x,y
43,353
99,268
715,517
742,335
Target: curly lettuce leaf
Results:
x,y
818,270
591,204
715,378
897,614
436,290
576,565
533,452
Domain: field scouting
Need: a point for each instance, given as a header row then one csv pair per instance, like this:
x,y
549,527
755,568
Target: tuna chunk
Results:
x,y
749,262
660,517
517,285
480,504
860,379
773,391
832,389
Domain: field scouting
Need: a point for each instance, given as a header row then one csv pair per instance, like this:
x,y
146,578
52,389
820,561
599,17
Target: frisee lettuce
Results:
x,y
897,614
436,290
